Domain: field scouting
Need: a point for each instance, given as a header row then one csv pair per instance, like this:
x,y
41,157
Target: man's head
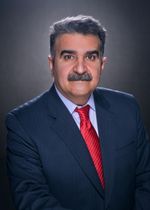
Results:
x,y
76,60
79,24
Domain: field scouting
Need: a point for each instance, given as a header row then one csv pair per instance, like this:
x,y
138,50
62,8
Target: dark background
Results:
x,y
24,47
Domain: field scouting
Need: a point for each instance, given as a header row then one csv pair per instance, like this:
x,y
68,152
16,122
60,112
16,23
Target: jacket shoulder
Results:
x,y
30,110
116,100
113,93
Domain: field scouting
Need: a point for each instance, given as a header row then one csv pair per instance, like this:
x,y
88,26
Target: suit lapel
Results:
x,y
105,121
63,124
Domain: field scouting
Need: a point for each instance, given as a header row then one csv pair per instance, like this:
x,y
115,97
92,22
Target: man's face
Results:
x,y
76,66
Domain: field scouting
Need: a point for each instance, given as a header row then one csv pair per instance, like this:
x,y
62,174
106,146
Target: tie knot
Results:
x,y
83,112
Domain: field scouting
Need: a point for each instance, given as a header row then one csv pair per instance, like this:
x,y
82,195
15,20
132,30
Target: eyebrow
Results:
x,y
67,52
93,52
73,52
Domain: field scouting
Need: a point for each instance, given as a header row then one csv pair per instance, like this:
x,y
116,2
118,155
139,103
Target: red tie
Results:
x,y
91,139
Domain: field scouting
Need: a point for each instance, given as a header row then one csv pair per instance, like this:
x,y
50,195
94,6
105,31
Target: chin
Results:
x,y
81,88
81,93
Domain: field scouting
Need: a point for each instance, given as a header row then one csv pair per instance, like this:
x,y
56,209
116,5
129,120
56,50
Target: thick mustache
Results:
x,y
79,77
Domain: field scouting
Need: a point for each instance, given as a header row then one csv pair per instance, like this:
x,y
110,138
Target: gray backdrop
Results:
x,y
24,47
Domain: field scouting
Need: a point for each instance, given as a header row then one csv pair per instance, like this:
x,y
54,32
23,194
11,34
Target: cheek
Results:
x,y
96,73
61,76
95,68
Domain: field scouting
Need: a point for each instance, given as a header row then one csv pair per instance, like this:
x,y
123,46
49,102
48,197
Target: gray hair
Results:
x,y
79,24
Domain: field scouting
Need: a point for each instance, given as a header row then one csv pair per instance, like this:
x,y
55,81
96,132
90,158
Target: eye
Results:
x,y
68,57
91,57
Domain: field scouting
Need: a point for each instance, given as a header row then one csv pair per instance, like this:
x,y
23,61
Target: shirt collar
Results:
x,y
71,106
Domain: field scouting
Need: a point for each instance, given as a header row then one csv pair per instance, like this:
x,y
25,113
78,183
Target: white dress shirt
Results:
x,y
71,108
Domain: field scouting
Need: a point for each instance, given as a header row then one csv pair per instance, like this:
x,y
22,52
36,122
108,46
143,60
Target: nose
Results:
x,y
80,66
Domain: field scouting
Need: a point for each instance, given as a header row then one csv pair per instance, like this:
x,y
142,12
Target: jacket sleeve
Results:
x,y
142,193
27,180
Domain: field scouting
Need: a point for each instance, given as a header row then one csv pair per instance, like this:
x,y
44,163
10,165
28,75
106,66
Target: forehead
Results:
x,y
77,42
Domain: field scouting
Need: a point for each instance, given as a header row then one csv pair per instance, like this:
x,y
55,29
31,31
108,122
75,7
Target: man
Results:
x,y
77,146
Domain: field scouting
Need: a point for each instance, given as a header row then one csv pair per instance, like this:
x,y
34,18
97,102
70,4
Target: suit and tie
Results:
x,y
49,165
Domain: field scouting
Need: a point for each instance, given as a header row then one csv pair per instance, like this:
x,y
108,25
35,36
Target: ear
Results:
x,y
50,62
104,60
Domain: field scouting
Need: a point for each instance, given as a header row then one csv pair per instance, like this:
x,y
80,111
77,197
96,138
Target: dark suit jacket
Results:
x,y
49,165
